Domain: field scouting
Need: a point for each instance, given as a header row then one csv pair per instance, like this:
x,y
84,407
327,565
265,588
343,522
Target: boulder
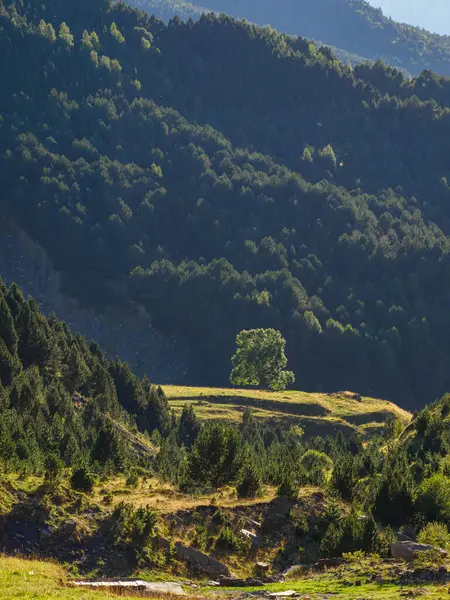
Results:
x,y
409,550
294,571
238,582
201,562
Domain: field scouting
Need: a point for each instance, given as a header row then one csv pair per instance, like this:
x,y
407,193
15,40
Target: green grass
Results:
x,y
322,585
317,413
38,580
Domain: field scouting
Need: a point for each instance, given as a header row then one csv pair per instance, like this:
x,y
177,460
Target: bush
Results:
x,y
299,520
435,534
82,480
433,499
132,527
313,459
132,480
228,540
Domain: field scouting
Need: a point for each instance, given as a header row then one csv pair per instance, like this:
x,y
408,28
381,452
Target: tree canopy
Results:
x,y
260,360
269,186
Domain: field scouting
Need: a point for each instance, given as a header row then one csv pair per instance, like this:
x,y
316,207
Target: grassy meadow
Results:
x,y
318,413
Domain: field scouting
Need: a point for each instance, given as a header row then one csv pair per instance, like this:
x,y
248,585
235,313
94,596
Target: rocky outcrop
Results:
x,y
239,582
408,550
201,562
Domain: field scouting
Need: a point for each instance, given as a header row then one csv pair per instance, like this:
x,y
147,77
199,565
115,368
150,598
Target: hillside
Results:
x,y
231,194
318,414
99,475
352,27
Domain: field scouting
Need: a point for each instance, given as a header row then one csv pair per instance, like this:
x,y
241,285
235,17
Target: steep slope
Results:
x,y
61,402
352,26
282,190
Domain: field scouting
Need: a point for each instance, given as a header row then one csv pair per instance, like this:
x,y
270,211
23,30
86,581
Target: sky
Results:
x,y
433,15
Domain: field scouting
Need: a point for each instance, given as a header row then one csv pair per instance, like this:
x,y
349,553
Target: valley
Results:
x,y
224,281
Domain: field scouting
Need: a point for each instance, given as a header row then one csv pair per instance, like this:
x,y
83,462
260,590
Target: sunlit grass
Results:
x,y
321,411
38,580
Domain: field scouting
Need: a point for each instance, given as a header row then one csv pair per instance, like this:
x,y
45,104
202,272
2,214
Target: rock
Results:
x,y
402,537
201,562
292,571
330,563
409,550
134,585
250,535
212,583
286,594
237,582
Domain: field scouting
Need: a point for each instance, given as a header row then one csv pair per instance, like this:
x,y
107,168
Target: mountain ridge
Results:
x,y
352,28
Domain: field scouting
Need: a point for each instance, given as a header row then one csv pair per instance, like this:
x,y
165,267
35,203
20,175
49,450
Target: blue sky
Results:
x,y
433,15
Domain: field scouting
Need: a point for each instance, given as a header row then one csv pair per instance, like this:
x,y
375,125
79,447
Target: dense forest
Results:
x,y
62,404
286,190
354,27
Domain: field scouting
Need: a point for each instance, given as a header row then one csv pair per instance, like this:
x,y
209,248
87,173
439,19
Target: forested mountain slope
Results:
x,y
230,177
352,26
62,403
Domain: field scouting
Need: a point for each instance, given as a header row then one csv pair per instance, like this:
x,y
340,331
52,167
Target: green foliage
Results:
x,y
228,223
132,480
131,527
65,35
299,520
356,30
228,541
53,467
250,484
316,466
260,360
216,456
62,403
432,498
116,34
351,534
288,488
46,31
435,534
82,480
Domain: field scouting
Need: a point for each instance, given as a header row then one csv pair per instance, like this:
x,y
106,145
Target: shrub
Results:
x,y
228,540
299,520
82,480
132,527
332,512
316,465
435,534
313,459
132,480
432,498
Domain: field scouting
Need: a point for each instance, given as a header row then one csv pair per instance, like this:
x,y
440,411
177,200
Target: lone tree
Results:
x,y
260,360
